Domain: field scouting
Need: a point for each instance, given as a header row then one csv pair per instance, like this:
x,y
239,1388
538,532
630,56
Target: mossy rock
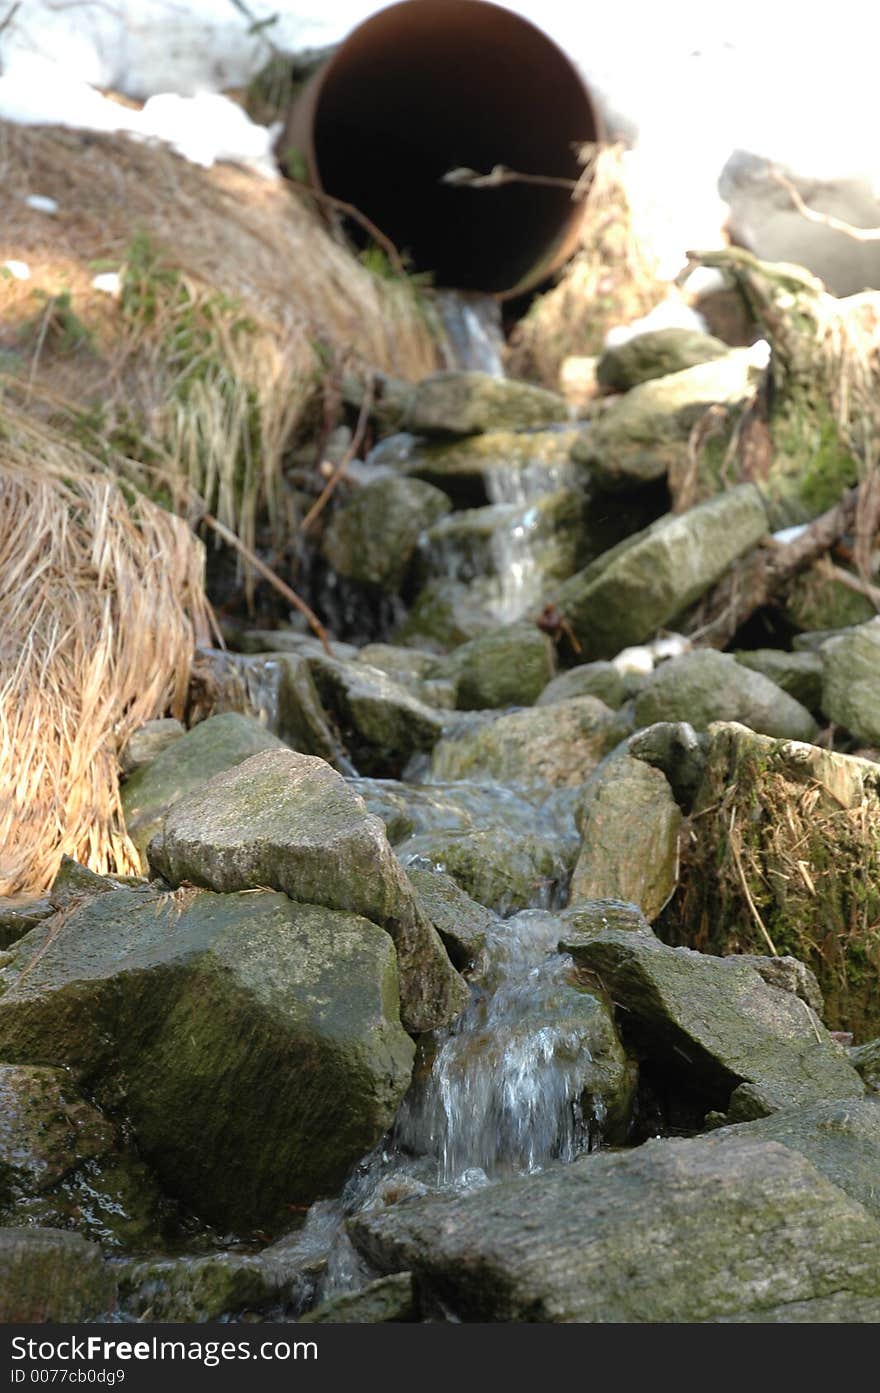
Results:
x,y
798,674
679,1230
557,746
866,1059
290,822
851,685
602,680
509,666
251,1045
707,686
49,1275
648,580
470,403
63,1165
815,601
446,613
18,916
645,434
656,353
460,921
385,1300
381,723
147,742
630,825
713,1029
221,1286
216,744
275,688
791,833
842,1141
420,673
372,539
502,870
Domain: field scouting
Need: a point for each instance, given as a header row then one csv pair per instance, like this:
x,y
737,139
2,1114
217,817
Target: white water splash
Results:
x,y
518,571
473,326
507,1087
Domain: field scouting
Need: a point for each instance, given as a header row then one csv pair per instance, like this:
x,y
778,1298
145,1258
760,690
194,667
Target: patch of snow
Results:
x,y
669,646
209,127
108,281
790,534
19,270
704,280
669,314
687,84
642,658
41,203
638,659
204,128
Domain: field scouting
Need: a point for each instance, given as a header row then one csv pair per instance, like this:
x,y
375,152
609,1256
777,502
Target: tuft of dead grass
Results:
x,y
612,279
783,856
101,604
236,301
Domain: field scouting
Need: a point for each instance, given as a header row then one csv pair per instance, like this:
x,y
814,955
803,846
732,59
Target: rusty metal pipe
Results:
x,y
427,86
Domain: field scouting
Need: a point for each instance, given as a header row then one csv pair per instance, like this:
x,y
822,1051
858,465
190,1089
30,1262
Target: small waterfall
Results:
x,y
473,326
520,579
505,1091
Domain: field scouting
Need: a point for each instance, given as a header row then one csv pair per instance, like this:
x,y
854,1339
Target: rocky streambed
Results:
x,y
517,959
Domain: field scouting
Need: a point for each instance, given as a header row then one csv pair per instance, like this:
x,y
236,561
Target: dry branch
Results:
x,y
763,575
858,234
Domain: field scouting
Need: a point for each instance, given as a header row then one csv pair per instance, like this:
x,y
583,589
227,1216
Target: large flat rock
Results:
x,y
715,1028
251,1045
49,1275
644,583
558,745
289,822
675,1231
219,743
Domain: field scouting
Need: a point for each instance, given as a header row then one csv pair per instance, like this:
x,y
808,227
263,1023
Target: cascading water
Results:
x,y
473,327
508,1088
520,580
516,1085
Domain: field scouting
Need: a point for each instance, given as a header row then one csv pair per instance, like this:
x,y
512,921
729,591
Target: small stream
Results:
x,y
502,1092
509,1088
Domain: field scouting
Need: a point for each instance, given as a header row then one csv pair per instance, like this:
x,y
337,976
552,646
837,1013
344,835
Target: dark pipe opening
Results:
x,y
428,86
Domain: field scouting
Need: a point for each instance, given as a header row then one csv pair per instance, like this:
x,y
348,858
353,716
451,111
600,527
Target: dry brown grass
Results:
x,y
251,298
611,280
784,849
101,603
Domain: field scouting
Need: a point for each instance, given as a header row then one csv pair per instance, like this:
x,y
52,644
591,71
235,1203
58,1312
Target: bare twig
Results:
x,y
500,174
811,1016
734,851
851,582
767,571
321,501
858,234
10,15
350,211
268,574
258,26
